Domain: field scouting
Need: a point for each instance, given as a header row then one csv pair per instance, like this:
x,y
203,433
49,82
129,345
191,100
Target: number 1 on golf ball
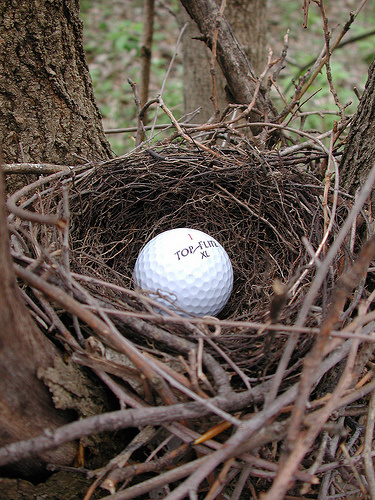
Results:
x,y
189,267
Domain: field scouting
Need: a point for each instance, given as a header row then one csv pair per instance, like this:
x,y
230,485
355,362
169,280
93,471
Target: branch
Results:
x,y
311,75
145,55
298,441
112,421
34,168
106,332
34,216
367,459
213,57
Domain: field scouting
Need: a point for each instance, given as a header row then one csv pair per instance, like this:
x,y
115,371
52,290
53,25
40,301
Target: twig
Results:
x,y
65,253
33,216
106,332
247,112
356,395
218,483
331,452
34,168
204,402
146,47
141,112
306,5
156,482
353,468
120,419
240,485
136,418
160,126
180,132
327,59
168,460
167,73
369,436
213,57
306,82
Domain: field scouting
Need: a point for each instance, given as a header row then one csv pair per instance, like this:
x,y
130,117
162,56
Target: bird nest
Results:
x,y
190,381
258,207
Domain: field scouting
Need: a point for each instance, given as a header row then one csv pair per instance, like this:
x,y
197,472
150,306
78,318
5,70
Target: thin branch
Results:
x,y
213,57
167,73
35,168
306,82
141,112
369,436
33,216
160,480
146,47
106,332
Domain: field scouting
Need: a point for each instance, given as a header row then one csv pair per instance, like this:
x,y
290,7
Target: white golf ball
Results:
x,y
187,267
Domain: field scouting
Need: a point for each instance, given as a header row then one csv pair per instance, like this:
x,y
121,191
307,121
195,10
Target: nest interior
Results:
x,y
257,207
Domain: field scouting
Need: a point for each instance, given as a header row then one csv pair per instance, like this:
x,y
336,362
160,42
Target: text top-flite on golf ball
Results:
x,y
187,271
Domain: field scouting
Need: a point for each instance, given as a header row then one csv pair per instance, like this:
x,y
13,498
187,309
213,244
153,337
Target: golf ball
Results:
x,y
186,270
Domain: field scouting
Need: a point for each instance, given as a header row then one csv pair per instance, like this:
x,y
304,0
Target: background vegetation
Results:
x,y
112,35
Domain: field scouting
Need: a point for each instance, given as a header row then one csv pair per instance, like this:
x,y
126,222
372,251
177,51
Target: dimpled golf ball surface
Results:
x,y
190,268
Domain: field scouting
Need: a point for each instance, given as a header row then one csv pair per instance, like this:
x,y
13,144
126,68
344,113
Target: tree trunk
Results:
x,y
26,407
231,57
248,20
47,107
47,114
359,153
197,81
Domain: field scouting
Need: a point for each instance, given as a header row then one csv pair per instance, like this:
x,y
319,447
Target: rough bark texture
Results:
x,y
231,57
26,407
359,153
197,82
47,107
248,20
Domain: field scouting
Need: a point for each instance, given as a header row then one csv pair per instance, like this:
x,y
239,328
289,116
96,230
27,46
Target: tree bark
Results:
x,y
47,106
248,19
231,57
47,114
197,81
26,407
359,152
